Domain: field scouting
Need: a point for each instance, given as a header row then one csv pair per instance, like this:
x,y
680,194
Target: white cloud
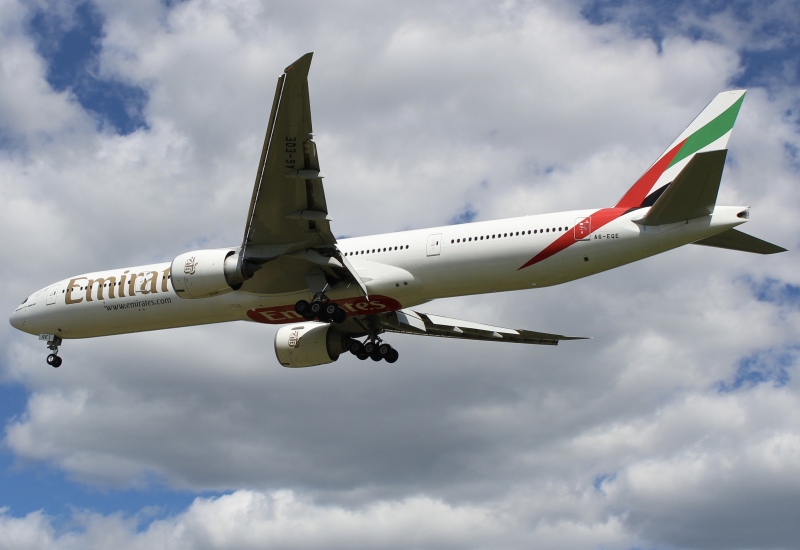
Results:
x,y
282,519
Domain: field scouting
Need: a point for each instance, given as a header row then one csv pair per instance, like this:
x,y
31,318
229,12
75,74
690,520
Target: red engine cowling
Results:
x,y
309,344
205,273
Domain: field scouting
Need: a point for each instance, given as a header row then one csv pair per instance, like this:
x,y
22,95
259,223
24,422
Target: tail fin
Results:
x,y
710,131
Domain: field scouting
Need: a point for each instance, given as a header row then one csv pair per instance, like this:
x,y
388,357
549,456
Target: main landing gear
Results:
x,y
375,349
321,308
52,344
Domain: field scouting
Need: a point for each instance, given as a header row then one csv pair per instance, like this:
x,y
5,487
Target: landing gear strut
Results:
x,y
53,342
321,308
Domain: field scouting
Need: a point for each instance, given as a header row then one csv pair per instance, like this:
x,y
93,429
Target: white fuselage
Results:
x,y
399,270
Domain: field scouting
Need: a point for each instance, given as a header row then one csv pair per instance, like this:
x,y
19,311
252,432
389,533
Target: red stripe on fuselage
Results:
x,y
632,199
598,220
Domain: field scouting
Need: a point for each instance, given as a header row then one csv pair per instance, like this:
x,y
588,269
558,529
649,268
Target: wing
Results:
x,y
408,321
288,244
288,208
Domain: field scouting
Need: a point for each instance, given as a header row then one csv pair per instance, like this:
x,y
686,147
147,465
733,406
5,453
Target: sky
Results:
x,y
130,133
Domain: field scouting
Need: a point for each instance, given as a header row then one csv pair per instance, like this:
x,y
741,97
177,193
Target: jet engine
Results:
x,y
206,273
309,344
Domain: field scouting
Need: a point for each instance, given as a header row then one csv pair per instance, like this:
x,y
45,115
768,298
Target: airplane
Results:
x,y
335,296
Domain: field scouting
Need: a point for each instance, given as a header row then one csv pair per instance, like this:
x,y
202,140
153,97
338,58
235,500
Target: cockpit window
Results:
x,y
25,300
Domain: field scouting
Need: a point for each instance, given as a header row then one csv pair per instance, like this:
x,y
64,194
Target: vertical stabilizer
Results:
x,y
710,131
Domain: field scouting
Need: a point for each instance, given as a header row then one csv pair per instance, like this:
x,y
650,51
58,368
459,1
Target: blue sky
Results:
x,y
170,102
71,53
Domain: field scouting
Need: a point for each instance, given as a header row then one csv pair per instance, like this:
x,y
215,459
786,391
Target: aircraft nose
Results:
x,y
17,320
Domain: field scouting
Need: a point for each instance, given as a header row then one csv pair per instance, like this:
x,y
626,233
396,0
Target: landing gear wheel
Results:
x,y
369,347
340,316
384,349
363,356
392,356
54,360
315,308
375,355
356,348
302,307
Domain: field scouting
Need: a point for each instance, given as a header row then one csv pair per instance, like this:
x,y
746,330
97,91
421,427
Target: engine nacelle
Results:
x,y
309,344
205,273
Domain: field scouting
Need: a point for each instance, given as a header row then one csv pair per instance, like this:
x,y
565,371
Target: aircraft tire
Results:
x,y
340,316
54,360
302,307
384,349
356,347
392,356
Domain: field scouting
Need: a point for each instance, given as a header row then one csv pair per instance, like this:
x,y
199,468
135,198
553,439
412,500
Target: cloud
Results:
x,y
282,519
423,114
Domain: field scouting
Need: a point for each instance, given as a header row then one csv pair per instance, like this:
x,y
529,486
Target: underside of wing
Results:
x,y
412,322
288,209
288,245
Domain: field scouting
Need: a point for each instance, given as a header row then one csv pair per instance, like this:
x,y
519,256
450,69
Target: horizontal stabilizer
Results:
x,y
693,194
413,322
736,240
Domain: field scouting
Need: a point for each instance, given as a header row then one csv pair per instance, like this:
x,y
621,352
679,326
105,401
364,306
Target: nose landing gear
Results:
x,y
53,342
